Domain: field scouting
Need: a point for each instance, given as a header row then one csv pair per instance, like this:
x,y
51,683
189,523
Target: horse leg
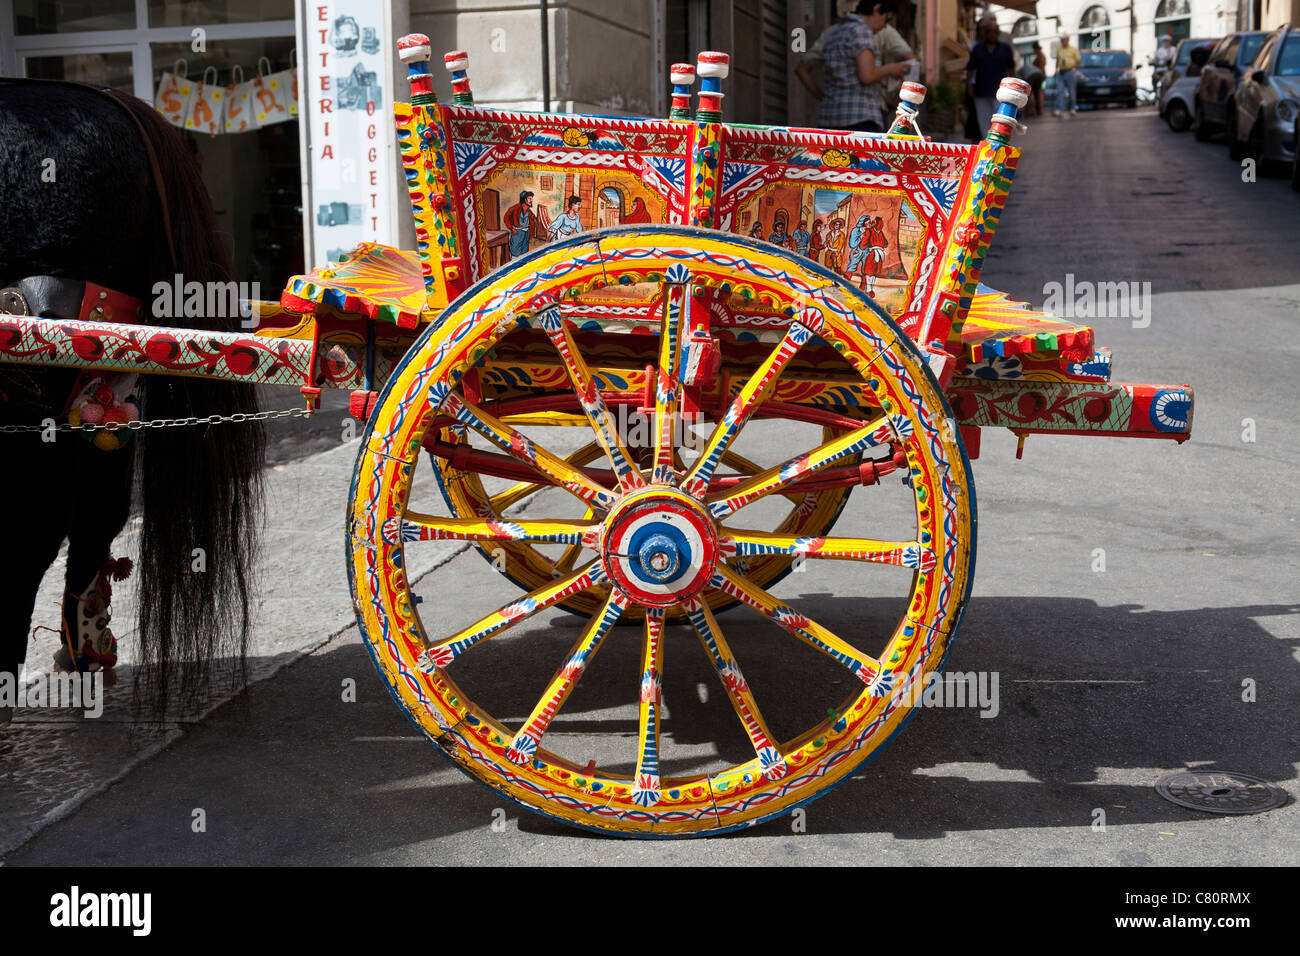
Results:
x,y
35,522
101,504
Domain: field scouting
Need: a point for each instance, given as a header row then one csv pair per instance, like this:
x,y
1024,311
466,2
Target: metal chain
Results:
x,y
137,425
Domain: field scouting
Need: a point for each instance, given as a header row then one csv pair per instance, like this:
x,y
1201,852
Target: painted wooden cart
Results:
x,y
648,361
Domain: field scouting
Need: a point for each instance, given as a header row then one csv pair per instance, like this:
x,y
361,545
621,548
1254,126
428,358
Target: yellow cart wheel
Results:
x,y
659,536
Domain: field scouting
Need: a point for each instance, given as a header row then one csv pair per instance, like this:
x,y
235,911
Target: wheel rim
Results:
x,y
648,560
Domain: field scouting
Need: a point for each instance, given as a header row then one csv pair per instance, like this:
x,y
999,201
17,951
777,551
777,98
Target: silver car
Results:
x,y
1178,100
1182,60
1266,102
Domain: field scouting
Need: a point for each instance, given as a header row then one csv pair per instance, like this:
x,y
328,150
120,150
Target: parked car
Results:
x,y
1267,101
1182,61
1229,59
1106,76
1178,101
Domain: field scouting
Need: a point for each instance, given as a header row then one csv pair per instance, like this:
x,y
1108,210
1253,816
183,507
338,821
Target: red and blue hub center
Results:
x,y
659,547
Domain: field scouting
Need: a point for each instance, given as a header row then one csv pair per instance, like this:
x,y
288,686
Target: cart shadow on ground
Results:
x,y
1094,702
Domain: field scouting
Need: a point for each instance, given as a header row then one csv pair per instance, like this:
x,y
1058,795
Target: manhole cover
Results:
x,y
1218,791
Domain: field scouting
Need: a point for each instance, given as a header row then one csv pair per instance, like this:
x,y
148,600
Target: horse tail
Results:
x,y
201,486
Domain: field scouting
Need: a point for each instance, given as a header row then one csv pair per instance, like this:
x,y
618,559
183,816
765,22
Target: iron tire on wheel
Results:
x,y
636,561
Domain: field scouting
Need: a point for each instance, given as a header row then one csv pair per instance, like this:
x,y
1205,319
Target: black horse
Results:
x,y
82,198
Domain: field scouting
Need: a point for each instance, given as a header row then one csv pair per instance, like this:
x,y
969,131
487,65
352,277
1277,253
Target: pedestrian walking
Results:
x,y
990,61
1067,62
1036,88
890,44
854,96
1033,71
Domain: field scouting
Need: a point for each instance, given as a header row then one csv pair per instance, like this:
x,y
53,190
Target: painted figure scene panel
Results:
x,y
527,207
868,237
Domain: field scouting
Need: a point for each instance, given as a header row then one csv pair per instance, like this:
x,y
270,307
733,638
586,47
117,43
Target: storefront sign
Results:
x,y
350,181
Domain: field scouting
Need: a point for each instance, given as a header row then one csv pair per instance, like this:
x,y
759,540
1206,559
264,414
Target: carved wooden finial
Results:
x,y
910,97
457,63
712,68
1013,94
683,76
413,50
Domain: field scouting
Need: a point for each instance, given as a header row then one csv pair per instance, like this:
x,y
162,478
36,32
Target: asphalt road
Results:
x,y
1108,678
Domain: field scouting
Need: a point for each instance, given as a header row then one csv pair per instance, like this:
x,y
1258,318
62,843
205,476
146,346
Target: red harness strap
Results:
x,y
107,305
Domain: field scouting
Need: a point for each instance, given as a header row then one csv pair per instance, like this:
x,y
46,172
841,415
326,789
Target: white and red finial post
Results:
x,y
413,50
910,97
712,68
457,63
683,76
1013,94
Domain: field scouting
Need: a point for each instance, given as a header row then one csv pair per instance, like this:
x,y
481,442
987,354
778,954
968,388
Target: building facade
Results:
x,y
1137,25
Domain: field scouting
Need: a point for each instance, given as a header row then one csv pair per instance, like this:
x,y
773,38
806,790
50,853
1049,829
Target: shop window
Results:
x,y
113,69
72,16
1173,19
253,176
1094,29
186,13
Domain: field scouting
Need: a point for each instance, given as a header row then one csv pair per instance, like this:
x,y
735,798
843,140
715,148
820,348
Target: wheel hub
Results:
x,y
659,546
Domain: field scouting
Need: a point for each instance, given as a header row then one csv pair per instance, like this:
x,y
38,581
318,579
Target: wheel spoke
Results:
x,y
422,527
866,668
570,554
668,377
524,745
877,432
706,627
602,423
751,395
524,449
444,652
645,784
518,492
746,467
904,554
